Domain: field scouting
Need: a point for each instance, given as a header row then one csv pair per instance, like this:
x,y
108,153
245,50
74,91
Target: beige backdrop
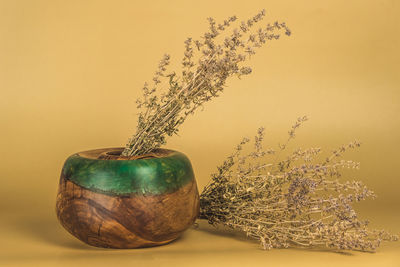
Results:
x,y
70,72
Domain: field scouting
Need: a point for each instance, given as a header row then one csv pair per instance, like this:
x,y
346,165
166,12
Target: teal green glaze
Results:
x,y
152,176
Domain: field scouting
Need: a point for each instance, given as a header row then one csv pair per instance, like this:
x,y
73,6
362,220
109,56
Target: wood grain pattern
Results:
x,y
126,222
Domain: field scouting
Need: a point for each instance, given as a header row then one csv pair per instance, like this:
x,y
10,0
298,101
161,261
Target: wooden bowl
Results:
x,y
108,201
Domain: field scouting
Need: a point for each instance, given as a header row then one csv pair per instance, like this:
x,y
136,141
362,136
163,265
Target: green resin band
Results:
x,y
150,176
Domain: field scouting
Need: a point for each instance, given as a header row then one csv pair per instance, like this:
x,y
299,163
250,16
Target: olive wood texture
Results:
x,y
111,220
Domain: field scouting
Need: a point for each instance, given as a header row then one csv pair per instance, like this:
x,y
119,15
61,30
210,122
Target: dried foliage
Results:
x,y
206,65
299,201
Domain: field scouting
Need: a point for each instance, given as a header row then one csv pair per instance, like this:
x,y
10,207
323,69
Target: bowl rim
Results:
x,y
113,153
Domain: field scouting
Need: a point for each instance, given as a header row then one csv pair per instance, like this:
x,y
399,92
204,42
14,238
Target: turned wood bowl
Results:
x,y
119,202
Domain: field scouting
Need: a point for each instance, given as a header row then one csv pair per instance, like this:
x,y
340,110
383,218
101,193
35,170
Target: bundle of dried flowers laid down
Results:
x,y
207,64
298,201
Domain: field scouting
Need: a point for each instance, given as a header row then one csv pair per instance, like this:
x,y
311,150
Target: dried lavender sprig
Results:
x,y
206,65
299,201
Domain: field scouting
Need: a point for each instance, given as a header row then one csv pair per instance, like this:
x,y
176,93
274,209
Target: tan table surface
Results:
x,y
38,240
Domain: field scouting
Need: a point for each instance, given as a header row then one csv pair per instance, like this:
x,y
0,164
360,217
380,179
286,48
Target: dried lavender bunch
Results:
x,y
206,65
297,201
